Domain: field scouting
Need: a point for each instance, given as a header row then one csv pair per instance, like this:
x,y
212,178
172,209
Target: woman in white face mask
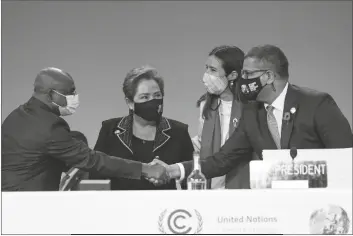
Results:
x,y
220,111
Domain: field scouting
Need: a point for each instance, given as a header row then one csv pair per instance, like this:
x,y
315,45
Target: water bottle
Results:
x,y
196,179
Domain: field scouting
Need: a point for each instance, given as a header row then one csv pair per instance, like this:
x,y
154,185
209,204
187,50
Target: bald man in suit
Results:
x,y
36,141
71,178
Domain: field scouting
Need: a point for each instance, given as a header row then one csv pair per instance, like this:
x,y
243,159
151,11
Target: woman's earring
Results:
x,y
231,84
273,87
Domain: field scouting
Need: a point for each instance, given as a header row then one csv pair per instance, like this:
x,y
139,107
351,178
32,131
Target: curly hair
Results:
x,y
134,76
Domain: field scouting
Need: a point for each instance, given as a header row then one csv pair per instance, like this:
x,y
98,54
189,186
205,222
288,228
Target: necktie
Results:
x,y
273,127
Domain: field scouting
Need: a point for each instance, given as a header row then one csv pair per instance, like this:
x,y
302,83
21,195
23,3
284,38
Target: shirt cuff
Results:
x,y
182,171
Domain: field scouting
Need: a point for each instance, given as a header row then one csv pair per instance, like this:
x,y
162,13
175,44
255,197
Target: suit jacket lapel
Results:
x,y
235,116
161,137
211,136
289,110
124,132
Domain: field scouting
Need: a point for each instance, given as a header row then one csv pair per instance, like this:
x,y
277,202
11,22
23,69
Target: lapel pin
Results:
x,y
293,110
286,116
235,122
117,132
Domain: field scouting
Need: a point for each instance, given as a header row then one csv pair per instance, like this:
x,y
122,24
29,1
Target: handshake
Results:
x,y
159,173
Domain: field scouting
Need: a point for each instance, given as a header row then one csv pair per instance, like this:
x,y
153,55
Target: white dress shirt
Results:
x,y
278,105
225,110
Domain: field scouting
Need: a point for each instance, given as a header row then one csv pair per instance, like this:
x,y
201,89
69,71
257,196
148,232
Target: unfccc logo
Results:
x,y
180,221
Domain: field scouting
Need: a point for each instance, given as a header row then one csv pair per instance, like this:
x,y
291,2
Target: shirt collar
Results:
x,y
278,103
33,101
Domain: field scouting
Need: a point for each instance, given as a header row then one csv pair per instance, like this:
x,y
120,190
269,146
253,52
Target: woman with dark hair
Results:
x,y
144,134
220,111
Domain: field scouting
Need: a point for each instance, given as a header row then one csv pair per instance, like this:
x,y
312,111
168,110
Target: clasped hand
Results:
x,y
158,173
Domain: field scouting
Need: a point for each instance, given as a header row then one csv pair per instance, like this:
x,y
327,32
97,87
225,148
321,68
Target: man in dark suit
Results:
x,y
36,141
71,178
278,115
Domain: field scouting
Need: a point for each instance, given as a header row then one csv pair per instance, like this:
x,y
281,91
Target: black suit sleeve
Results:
x,y
100,146
77,154
331,125
187,152
236,148
102,138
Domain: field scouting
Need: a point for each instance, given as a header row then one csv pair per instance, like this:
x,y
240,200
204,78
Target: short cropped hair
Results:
x,y
134,77
273,55
48,77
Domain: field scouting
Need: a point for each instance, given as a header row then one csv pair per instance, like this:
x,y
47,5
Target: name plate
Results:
x,y
94,185
290,184
288,174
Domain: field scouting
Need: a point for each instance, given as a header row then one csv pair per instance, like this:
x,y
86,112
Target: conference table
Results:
x,y
251,211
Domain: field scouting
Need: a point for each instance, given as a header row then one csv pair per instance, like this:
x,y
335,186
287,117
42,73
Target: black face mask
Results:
x,y
250,88
151,110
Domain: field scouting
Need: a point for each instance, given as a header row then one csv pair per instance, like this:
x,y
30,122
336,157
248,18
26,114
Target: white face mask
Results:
x,y
72,103
215,84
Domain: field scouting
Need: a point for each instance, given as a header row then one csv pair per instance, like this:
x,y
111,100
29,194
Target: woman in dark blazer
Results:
x,y
144,134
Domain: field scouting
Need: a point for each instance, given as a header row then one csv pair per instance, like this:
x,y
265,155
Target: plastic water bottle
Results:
x,y
196,180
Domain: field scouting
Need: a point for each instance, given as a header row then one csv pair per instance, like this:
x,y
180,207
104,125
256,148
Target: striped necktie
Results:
x,y
272,126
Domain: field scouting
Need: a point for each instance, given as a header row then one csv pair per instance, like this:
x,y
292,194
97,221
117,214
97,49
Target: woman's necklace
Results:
x,y
142,135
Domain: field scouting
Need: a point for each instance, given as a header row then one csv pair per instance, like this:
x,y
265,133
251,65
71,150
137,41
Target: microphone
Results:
x,y
293,152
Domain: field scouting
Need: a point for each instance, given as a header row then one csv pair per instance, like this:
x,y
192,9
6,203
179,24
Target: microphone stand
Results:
x,y
293,154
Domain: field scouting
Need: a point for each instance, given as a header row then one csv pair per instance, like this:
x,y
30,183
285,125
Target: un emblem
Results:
x,y
329,220
180,221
